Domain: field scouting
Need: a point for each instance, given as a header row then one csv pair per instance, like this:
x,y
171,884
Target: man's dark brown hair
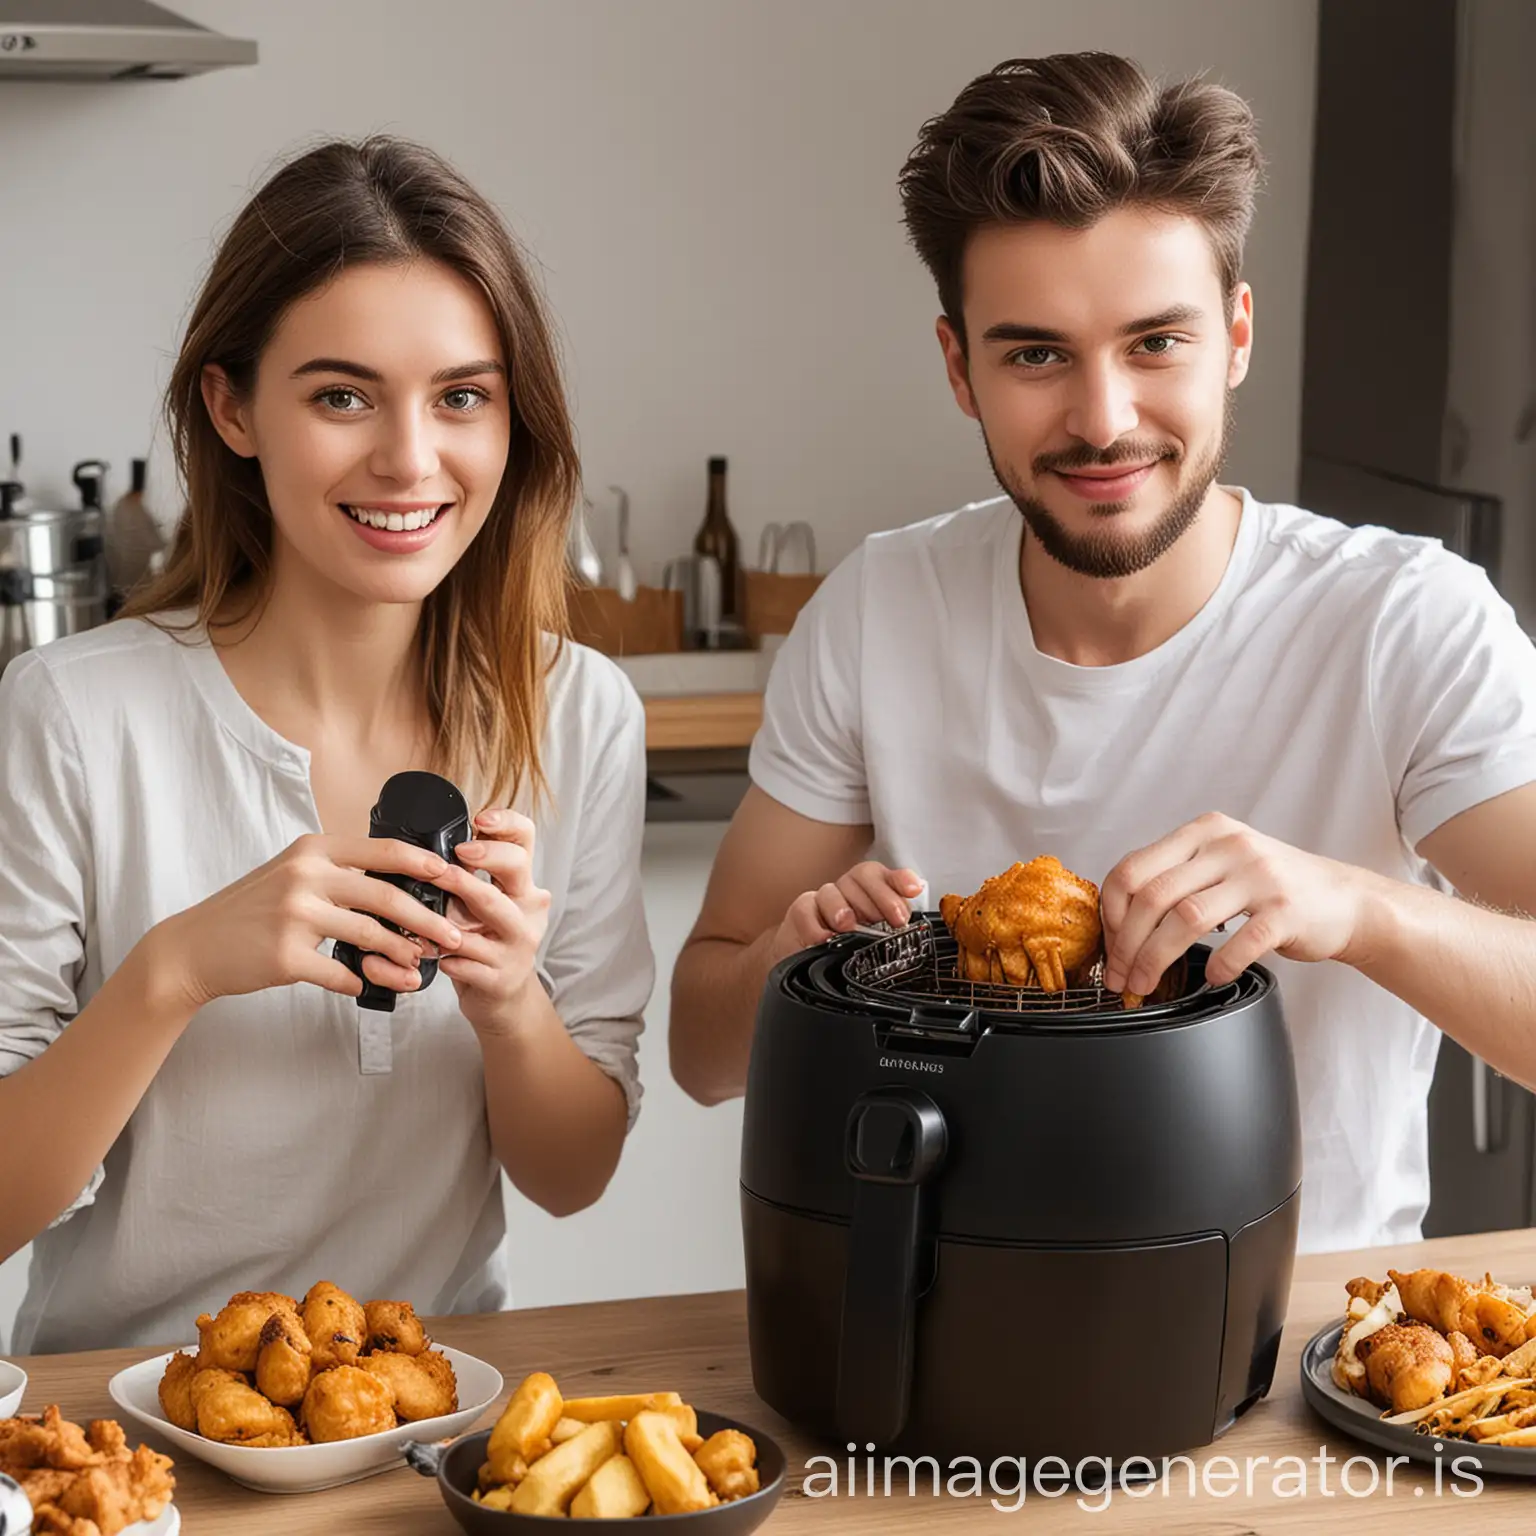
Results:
x,y
1069,138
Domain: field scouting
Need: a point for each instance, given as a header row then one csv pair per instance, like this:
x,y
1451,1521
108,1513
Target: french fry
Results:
x,y
495,1498
1471,1395
522,1432
566,1429
686,1423
613,1492
554,1479
1526,1436
674,1480
592,1410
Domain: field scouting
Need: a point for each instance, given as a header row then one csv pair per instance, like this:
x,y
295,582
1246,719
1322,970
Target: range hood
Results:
x,y
109,40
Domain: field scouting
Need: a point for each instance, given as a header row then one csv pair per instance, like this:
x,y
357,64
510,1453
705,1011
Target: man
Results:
x,y
1219,709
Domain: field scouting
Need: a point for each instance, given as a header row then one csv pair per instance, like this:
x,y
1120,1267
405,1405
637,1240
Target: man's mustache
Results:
x,y
1088,457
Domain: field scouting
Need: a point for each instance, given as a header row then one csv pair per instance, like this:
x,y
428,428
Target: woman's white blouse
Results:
x,y
290,1136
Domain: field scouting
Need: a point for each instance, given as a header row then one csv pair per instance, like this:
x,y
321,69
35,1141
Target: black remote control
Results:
x,y
419,808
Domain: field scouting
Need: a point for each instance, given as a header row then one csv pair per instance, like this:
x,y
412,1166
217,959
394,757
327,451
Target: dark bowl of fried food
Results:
x,y
460,1470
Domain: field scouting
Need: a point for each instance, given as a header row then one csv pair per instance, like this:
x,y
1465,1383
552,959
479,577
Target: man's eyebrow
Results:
x,y
373,376
1175,314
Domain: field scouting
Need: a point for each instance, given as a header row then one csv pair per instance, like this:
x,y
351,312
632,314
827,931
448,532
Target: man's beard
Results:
x,y
1106,553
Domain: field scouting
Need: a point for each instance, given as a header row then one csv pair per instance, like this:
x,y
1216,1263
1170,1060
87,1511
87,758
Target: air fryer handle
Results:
x,y
896,1140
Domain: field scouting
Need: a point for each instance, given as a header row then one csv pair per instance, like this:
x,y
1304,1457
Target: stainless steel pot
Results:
x,y
35,610
45,541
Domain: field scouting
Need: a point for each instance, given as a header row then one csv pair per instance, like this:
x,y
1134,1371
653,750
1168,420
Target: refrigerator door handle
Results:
x,y
1487,1122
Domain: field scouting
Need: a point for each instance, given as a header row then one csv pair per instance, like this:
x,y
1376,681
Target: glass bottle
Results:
x,y
716,537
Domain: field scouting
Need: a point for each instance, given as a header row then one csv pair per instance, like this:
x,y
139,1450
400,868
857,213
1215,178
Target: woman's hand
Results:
x,y
265,930
503,920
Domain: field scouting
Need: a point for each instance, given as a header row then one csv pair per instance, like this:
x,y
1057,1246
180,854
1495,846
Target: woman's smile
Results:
x,y
397,527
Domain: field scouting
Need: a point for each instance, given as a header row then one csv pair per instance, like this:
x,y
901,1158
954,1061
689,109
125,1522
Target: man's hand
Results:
x,y
868,893
1160,900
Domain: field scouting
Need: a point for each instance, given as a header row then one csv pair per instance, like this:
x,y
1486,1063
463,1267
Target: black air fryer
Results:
x,y
984,1221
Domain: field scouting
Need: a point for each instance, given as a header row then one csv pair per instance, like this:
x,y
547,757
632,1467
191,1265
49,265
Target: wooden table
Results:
x,y
697,1345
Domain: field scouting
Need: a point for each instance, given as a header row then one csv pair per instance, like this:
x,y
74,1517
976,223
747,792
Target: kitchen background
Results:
x,y
709,189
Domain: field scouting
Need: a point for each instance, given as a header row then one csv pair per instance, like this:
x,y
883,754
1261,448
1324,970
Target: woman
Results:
x,y
368,578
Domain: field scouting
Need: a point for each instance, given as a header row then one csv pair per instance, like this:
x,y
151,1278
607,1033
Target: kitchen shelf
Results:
x,y
680,721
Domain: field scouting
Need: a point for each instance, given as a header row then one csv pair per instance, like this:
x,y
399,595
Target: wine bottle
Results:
x,y
716,537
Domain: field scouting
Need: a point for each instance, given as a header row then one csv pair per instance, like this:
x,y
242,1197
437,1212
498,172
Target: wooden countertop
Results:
x,y
697,1345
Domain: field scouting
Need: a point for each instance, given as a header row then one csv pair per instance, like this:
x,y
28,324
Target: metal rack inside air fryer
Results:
x,y
915,970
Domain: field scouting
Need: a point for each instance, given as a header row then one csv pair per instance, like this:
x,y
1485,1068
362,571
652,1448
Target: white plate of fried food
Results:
x,y
647,1454
288,1396
83,1481
1427,1358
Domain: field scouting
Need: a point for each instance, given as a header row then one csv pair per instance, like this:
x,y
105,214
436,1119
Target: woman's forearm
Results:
x,y
62,1111
557,1120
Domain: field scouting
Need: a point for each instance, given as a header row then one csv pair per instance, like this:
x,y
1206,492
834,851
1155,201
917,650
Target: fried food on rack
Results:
x,y
346,1402
336,1325
555,1478
1407,1365
424,1385
522,1433
674,1479
233,1412
176,1390
83,1482
229,1341
613,1492
284,1360
728,1459
1036,924
394,1328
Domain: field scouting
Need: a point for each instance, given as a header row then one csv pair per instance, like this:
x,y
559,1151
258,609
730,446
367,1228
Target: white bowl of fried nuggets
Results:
x,y
292,1395
1443,1354
605,1458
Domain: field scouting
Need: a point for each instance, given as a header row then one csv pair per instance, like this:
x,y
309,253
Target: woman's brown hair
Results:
x,y
485,637
1067,139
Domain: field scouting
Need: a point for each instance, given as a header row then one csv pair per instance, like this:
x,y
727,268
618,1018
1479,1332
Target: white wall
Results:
x,y
709,184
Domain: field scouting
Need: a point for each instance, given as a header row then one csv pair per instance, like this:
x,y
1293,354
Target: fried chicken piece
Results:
x,y
233,1412
231,1340
346,1402
283,1360
1407,1366
176,1390
393,1326
1487,1314
51,1441
1036,924
424,1385
729,1460
1464,1358
1369,1291
101,1489
336,1325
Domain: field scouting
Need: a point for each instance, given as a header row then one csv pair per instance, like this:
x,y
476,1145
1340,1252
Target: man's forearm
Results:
x,y
557,1120
716,985
1467,969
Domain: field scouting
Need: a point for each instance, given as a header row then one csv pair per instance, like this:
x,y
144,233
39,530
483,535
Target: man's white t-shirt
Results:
x,y
1346,690
290,1136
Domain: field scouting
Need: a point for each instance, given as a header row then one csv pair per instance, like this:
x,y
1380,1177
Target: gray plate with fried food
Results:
x,y
1363,1420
